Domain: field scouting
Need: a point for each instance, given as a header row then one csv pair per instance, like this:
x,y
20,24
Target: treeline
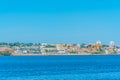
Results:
x,y
20,44
5,53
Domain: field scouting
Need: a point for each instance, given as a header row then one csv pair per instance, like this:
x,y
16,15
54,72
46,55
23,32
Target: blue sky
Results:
x,y
60,21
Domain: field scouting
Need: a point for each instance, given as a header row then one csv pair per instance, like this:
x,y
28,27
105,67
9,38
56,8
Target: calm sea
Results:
x,y
92,67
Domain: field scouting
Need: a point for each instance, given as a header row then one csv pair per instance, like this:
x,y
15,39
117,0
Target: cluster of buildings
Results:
x,y
47,49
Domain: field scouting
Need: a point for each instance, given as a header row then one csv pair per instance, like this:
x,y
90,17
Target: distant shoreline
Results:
x,y
59,54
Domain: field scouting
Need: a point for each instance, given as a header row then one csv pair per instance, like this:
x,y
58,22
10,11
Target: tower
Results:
x,y
99,42
112,44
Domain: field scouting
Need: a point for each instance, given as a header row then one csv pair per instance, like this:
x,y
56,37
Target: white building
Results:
x,y
44,44
78,45
98,42
112,44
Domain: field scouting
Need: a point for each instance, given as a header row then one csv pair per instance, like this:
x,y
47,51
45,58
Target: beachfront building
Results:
x,y
95,48
61,48
67,48
2,49
49,49
72,48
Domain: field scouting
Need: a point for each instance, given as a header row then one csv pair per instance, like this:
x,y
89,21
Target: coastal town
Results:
x,y
17,49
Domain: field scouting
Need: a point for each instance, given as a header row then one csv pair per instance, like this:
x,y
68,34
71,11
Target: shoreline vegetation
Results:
x,y
5,53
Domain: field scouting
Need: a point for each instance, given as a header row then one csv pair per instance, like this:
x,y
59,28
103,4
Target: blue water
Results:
x,y
60,67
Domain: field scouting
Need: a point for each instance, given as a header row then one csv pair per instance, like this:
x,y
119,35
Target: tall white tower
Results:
x,y
112,44
98,42
78,45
